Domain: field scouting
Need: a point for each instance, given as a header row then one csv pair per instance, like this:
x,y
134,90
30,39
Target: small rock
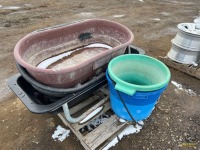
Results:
x,y
163,110
36,142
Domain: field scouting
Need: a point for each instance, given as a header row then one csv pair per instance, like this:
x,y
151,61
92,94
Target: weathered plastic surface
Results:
x,y
38,46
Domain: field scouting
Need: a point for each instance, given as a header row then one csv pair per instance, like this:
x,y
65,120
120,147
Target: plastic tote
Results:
x,y
140,80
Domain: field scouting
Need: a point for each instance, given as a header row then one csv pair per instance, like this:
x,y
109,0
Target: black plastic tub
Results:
x,y
40,98
39,103
61,92
57,92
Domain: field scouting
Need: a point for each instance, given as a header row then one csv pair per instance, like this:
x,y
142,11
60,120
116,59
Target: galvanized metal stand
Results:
x,y
105,132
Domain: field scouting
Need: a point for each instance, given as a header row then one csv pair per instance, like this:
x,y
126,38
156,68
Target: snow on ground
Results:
x,y
156,19
60,134
127,131
118,16
10,7
180,87
86,14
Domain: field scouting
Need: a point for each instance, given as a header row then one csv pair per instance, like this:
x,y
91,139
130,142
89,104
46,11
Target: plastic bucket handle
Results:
x,y
125,89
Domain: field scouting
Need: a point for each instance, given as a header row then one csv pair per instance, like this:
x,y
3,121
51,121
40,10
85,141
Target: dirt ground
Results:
x,y
176,119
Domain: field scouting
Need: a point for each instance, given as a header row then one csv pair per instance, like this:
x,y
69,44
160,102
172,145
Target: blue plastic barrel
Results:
x,y
139,80
140,105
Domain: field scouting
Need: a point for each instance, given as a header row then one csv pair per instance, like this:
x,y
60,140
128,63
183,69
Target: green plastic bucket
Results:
x,y
135,72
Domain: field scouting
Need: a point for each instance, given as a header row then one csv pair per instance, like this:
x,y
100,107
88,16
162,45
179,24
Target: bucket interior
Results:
x,y
139,71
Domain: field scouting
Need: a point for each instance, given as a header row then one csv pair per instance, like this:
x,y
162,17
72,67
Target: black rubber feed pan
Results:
x,y
39,103
57,92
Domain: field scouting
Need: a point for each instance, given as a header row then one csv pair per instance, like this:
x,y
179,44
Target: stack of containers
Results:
x,y
186,44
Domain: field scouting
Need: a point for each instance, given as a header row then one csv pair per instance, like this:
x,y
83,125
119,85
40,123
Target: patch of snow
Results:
x,y
92,114
118,16
194,64
179,2
141,122
11,7
99,45
60,134
141,0
111,144
44,64
122,120
180,87
86,14
127,131
156,19
1,6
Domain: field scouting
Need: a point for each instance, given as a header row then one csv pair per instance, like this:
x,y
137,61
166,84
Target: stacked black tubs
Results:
x,y
40,98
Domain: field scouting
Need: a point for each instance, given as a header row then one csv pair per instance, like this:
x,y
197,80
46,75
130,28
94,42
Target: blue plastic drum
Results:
x,y
140,105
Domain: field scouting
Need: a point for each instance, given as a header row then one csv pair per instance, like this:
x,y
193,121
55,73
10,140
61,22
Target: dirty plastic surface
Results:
x,y
78,67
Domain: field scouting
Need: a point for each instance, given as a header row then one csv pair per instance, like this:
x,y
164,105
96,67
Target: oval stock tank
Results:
x,y
66,55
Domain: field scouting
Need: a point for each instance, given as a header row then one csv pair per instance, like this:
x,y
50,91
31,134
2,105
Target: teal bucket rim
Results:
x,y
135,87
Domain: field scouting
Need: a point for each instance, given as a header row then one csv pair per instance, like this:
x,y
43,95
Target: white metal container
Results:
x,y
186,44
183,55
188,36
